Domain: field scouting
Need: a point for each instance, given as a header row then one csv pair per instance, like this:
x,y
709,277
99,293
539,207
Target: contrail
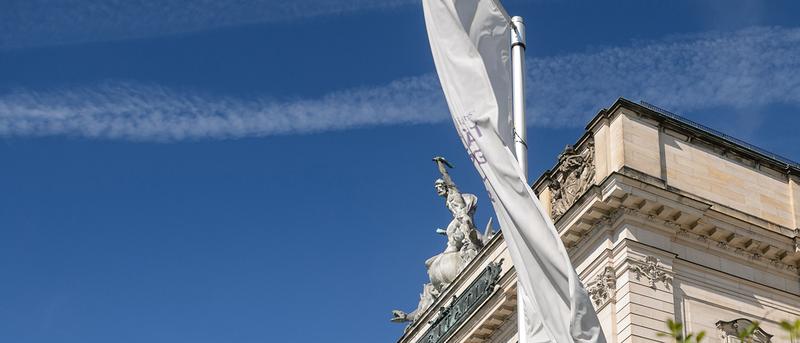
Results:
x,y
756,66
751,67
142,112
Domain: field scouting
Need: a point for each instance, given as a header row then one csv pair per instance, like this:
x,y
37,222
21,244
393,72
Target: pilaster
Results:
x,y
645,293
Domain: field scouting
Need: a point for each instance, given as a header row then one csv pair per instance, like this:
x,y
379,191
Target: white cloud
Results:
x,y
139,112
751,67
745,68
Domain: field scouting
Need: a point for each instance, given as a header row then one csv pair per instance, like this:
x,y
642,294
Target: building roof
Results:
x,y
678,123
675,119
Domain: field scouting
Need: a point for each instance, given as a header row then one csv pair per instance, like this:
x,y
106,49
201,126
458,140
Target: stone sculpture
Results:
x,y
603,287
463,242
653,271
730,331
573,176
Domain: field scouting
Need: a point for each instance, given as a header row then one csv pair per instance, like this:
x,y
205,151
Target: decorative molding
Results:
x,y
730,331
724,245
572,176
450,317
796,240
505,332
682,231
604,287
652,269
606,220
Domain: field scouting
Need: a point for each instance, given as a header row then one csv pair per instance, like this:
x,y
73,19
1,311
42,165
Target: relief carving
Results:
x,y
652,269
797,240
731,331
571,178
603,287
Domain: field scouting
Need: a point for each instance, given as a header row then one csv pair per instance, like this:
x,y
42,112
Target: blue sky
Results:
x,y
259,171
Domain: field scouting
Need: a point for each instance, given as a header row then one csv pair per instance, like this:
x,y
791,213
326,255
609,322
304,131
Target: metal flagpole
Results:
x,y
520,135
518,93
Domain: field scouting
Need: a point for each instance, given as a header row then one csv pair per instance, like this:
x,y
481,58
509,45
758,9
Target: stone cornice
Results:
x,y
701,205
680,216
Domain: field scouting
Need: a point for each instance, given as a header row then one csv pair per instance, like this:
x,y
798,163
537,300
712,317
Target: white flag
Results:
x,y
470,45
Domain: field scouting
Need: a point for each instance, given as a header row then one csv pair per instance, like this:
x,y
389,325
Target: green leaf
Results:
x,y
793,328
700,336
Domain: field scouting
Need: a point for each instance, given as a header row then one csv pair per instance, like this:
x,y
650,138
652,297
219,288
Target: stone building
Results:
x,y
663,218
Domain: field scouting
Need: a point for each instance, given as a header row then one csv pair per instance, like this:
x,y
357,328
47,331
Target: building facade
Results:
x,y
663,219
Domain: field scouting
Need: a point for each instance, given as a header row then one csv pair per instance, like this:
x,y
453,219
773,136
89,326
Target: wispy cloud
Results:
x,y
142,112
747,68
32,23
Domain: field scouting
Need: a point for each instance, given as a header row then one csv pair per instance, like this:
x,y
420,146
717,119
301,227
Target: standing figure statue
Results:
x,y
461,233
463,242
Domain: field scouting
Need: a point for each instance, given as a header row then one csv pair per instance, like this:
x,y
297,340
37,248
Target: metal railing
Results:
x,y
709,130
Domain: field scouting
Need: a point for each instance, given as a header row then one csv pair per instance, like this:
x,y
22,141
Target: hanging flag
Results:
x,y
470,45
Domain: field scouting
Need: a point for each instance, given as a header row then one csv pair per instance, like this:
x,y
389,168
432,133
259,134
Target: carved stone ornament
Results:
x,y
652,269
797,240
603,287
573,175
732,330
450,317
464,242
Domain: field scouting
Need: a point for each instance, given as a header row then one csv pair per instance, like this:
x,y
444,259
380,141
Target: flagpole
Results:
x,y
520,136
518,93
